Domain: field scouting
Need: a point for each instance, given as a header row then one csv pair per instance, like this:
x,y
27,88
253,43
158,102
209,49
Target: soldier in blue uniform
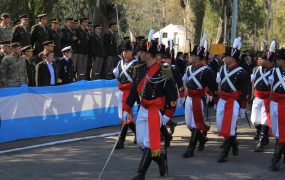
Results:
x,y
260,113
66,71
123,73
152,84
234,83
198,77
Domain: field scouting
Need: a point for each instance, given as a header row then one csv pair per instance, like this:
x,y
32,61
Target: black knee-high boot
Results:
x,y
277,156
166,135
257,132
234,144
132,126
226,148
202,140
192,143
161,161
171,124
144,164
263,138
121,141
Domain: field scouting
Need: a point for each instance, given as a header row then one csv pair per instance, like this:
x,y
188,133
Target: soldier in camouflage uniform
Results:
x,y
21,33
5,28
5,49
13,68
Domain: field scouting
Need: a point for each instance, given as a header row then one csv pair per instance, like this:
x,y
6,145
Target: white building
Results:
x,y
177,33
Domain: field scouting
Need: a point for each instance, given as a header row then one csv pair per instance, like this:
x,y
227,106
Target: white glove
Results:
x,y
215,107
185,78
209,98
252,77
165,119
242,112
116,72
126,116
218,78
271,79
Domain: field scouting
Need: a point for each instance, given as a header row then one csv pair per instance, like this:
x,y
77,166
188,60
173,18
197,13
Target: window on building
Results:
x,y
164,35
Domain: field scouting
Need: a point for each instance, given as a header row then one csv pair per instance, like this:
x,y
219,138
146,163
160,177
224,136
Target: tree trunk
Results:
x,y
267,10
198,7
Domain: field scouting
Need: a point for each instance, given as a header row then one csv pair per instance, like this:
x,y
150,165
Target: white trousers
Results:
x,y
258,112
142,129
189,117
274,118
120,105
220,116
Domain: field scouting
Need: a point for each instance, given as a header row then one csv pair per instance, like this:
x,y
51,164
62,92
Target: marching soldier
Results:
x,y
13,68
110,46
198,77
66,71
21,33
277,106
152,84
39,34
5,27
123,72
55,36
260,113
234,83
30,64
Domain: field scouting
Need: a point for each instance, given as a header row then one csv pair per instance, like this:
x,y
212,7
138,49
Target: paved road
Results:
x,y
85,159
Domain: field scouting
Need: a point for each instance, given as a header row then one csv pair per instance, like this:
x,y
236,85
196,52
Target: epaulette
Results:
x,y
166,70
135,69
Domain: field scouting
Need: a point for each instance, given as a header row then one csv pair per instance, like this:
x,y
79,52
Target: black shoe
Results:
x,y
188,153
144,164
257,133
263,139
161,161
171,124
259,147
120,144
226,148
275,164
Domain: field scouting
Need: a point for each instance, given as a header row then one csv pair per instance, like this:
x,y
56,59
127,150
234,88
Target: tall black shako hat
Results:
x,y
235,50
270,54
280,54
200,50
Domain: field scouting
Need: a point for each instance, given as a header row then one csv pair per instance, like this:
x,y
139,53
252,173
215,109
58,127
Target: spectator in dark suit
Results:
x,y
180,62
110,46
46,71
66,71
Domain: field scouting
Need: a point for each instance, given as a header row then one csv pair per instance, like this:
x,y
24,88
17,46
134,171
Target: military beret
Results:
x,y
55,20
42,15
48,43
280,54
83,19
5,43
5,15
68,48
15,44
27,48
97,26
24,16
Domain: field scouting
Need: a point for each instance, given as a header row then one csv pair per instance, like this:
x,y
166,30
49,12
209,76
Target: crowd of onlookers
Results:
x,y
53,52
